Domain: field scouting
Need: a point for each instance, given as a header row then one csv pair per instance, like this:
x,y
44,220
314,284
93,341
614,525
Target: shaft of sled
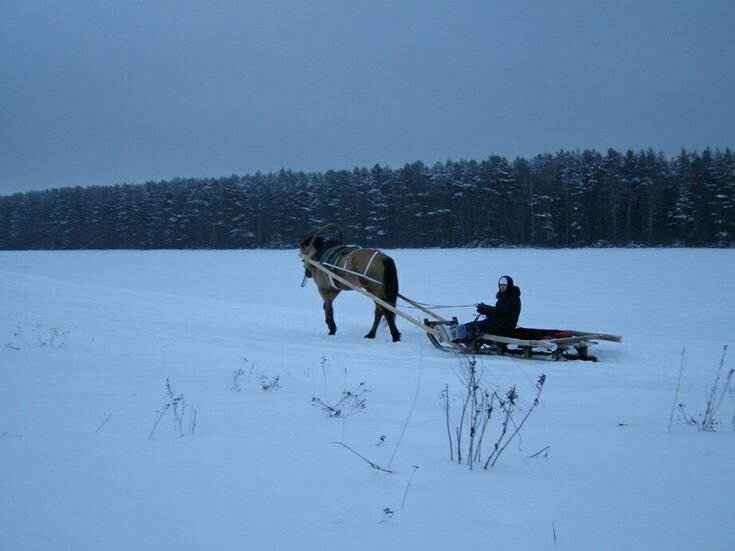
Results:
x,y
422,308
371,296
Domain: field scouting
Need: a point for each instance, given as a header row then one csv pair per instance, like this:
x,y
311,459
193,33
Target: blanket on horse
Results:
x,y
331,256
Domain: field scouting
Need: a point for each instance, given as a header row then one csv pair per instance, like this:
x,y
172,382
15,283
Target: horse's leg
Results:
x,y
390,295
390,317
376,321
328,296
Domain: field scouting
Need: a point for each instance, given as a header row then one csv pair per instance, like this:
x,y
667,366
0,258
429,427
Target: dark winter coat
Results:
x,y
502,317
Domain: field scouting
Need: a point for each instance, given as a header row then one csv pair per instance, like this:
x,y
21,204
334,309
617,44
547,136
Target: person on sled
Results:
x,y
499,319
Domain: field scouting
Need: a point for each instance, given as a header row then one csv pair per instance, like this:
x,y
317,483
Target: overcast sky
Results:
x,y
104,92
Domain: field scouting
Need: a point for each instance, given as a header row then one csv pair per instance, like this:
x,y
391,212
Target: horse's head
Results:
x,y
310,244
316,242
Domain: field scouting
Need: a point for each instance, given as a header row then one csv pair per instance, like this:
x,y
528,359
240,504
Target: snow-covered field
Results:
x,y
89,339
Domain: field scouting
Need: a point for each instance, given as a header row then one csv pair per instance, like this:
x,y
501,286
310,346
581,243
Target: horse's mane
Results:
x,y
319,243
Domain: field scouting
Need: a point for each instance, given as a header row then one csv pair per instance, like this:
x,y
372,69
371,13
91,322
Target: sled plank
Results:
x,y
553,348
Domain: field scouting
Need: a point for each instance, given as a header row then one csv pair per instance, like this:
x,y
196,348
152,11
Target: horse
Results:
x,y
370,269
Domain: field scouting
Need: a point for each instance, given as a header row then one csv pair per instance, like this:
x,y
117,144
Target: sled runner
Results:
x,y
524,342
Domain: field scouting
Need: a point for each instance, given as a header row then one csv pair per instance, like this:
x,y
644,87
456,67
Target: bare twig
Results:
x,y
103,423
236,380
177,405
193,421
488,413
546,450
539,388
350,402
408,417
463,413
163,410
449,430
714,401
403,501
324,364
507,406
373,465
473,388
678,385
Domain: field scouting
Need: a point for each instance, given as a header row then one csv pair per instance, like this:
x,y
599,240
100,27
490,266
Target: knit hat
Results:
x,y
503,281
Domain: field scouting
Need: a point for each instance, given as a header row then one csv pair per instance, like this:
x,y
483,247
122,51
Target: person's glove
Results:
x,y
483,309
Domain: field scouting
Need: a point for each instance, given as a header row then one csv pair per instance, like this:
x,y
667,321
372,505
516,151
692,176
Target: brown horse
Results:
x,y
370,269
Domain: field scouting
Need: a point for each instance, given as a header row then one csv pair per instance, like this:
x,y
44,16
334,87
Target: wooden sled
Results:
x,y
553,344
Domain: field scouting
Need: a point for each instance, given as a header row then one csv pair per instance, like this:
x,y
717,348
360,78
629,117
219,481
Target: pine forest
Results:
x,y
567,199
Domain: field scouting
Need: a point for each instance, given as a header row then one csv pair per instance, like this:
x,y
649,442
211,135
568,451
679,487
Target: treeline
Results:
x,y
570,199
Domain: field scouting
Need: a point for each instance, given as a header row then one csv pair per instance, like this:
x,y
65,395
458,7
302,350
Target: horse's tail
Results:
x,y
390,279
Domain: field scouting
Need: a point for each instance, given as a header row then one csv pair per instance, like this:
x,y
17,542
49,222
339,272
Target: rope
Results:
x,y
441,306
425,305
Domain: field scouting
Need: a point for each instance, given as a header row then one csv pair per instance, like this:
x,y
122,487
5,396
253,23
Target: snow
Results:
x,y
89,339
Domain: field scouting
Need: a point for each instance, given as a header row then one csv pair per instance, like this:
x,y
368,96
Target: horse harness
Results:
x,y
331,257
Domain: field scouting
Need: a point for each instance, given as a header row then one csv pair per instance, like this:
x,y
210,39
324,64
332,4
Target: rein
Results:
x,y
368,278
441,306
306,258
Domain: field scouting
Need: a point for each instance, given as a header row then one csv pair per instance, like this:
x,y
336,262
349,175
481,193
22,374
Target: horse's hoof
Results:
x,y
370,336
397,338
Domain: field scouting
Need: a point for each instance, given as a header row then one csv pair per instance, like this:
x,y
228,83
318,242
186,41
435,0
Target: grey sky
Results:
x,y
104,92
